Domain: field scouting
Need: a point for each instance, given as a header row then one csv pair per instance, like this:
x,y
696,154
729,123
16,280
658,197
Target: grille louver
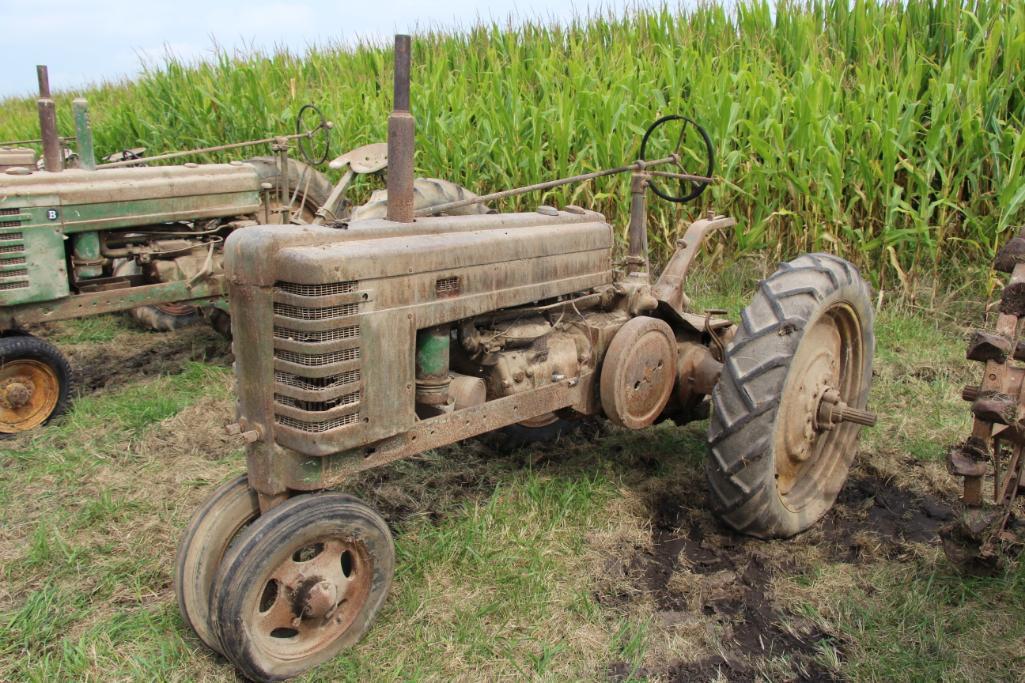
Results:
x,y
12,253
317,384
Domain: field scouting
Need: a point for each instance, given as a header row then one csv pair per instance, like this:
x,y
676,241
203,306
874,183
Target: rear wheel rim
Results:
x,y
810,459
175,309
29,392
309,601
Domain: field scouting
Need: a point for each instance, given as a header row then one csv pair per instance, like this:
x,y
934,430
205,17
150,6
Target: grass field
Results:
x,y
888,132
593,558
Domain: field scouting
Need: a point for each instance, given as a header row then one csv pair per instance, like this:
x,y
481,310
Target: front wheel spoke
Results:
x,y
280,614
328,566
289,574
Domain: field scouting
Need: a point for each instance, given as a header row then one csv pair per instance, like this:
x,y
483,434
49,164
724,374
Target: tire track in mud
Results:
x,y
729,576
99,367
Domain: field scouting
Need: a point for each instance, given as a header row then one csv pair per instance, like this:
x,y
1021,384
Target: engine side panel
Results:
x,y
346,315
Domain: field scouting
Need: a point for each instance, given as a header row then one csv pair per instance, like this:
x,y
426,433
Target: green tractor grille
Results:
x,y
13,268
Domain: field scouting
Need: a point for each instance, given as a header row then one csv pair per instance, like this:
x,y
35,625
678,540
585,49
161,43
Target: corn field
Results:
x,y
888,132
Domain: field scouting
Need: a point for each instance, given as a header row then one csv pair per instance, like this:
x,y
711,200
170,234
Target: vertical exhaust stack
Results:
x,y
52,160
83,134
401,144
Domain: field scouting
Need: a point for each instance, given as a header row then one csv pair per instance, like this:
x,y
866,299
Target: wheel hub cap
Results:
x,y
812,438
312,597
321,598
29,393
16,393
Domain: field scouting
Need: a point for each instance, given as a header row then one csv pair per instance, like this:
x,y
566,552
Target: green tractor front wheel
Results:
x,y
35,383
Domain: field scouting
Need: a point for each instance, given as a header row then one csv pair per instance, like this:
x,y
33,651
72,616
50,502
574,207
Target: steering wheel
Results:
x,y
676,146
315,135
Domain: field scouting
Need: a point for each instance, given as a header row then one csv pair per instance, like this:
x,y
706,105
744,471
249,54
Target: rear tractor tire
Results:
x,y
544,429
426,192
309,188
791,399
35,383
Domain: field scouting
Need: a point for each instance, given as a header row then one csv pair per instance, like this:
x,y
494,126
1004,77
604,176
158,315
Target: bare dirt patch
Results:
x,y
132,357
696,571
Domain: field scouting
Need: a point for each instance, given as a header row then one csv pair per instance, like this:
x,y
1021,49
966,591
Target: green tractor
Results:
x,y
79,238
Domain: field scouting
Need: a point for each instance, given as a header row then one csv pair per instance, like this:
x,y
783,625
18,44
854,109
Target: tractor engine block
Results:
x,y
523,355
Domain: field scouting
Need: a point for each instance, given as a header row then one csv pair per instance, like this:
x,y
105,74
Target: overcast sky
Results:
x,y
87,41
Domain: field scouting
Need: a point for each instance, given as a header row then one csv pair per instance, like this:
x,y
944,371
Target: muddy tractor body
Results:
x,y
368,341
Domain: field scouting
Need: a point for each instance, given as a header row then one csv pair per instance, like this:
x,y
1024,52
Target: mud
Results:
x,y
695,565
98,367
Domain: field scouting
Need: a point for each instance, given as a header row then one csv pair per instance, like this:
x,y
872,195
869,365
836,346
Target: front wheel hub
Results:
x,y
29,393
16,393
320,599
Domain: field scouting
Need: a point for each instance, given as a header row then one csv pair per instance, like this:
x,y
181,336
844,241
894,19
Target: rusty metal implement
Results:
x,y
980,540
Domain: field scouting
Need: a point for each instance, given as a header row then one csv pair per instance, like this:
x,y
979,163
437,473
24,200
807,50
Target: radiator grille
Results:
x,y
316,383
317,427
326,289
11,248
317,406
10,224
314,360
305,313
20,284
10,236
17,260
318,415
317,335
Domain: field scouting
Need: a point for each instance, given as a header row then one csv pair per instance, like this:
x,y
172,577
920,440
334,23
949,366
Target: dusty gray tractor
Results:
x,y
119,236
365,341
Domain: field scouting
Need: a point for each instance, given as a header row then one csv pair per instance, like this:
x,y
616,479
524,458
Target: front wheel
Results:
x,y
301,583
791,400
214,527
35,383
